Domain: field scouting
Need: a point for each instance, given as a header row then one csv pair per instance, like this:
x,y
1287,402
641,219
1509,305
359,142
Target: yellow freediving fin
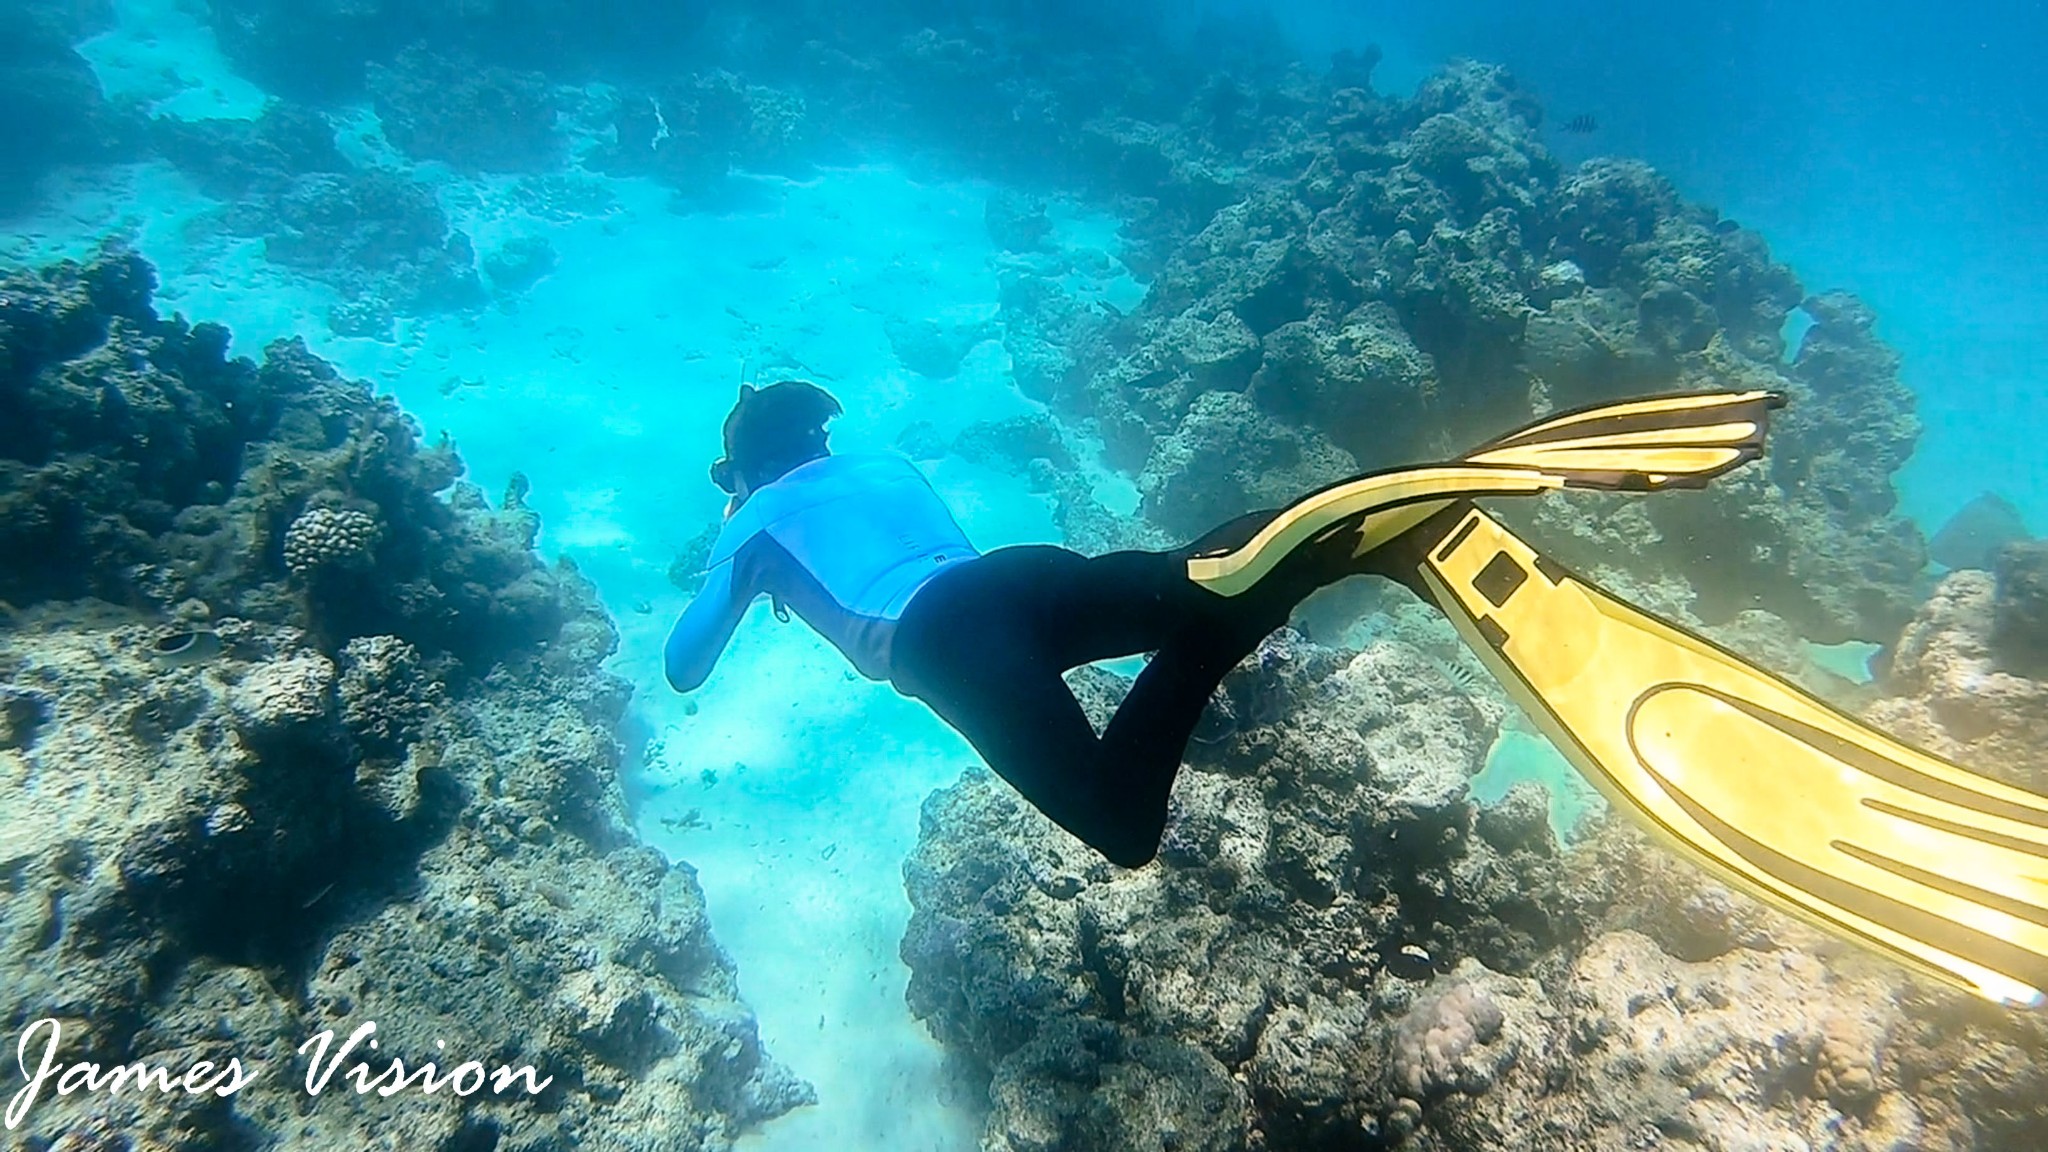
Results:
x,y
1682,440
1773,790
1770,788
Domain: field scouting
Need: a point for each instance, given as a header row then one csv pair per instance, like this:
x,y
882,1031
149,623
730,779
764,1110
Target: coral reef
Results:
x,y
1337,281
519,263
1016,222
143,466
385,787
473,117
2020,609
1226,458
1086,1083
237,159
1392,278
377,236
934,348
1402,280
50,100
1960,684
693,133
1286,877
1386,280
1578,997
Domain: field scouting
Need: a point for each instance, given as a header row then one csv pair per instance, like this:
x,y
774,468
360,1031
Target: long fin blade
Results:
x,y
1770,788
1679,441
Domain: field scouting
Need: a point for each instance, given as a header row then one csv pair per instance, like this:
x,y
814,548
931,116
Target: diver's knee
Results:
x,y
1130,851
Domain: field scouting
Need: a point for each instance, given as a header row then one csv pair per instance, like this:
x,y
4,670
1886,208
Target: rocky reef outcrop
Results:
x,y
236,160
146,467
1966,674
474,117
1399,280
696,131
50,101
376,235
293,741
1338,948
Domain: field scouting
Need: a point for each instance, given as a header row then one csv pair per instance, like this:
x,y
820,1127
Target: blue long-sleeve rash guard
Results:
x,y
844,541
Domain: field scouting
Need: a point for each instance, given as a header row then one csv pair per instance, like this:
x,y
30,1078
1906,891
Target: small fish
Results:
x,y
182,649
1974,536
1581,125
1411,962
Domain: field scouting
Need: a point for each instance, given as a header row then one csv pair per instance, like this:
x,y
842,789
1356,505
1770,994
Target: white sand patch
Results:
x,y
160,53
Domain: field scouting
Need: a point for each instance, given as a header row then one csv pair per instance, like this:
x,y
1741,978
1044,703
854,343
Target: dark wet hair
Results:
x,y
772,430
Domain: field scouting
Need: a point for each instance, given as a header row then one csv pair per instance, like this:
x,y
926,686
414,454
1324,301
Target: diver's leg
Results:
x,y
976,648
1124,603
1024,721
985,647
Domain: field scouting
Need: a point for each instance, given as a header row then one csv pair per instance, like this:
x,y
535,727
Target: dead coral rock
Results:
x,y
451,912
613,1013
1356,378
1292,860
934,348
1589,346
1317,1071
1092,1084
1267,463
284,698
1215,354
1713,1048
22,712
1947,691
2020,609
1425,744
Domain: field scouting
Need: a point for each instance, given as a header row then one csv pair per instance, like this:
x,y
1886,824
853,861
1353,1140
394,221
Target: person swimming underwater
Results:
x,y
861,548
1766,786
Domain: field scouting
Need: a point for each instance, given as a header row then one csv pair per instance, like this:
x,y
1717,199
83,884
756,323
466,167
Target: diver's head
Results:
x,y
770,431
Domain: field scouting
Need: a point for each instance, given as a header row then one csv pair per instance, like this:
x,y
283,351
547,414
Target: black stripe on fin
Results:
x,y
1980,948
2017,909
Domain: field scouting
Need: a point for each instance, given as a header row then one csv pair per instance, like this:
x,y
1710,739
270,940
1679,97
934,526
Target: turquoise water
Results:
x,y
794,787
1521,757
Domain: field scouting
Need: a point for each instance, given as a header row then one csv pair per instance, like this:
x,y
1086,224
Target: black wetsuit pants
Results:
x,y
985,643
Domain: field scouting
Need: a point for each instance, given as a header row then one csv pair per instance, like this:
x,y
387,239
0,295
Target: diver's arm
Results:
x,y
706,627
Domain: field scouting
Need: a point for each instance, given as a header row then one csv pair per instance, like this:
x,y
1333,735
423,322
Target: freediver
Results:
x,y
1765,785
861,548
